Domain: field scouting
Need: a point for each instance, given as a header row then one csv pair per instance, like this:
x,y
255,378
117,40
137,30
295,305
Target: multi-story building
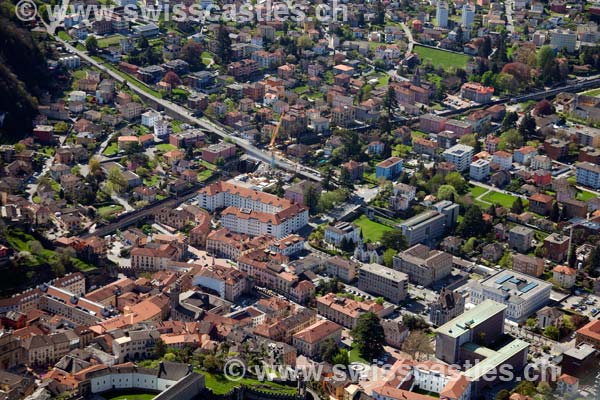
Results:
x,y
589,334
72,307
468,15
382,281
448,306
253,212
309,340
441,14
556,148
346,311
423,265
430,225
222,150
460,155
135,345
556,247
588,174
563,39
153,258
541,203
502,159
476,92
479,170
389,169
564,276
519,238
432,123
228,282
522,294
342,268
335,234
530,265
541,162
525,154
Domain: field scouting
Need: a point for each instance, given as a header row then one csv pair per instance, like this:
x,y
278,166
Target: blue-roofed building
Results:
x,y
522,294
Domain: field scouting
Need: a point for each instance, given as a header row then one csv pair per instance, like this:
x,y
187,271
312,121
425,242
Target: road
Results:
x,y
210,126
409,36
508,5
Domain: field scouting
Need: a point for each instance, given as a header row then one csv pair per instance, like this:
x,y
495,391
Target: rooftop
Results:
x,y
470,319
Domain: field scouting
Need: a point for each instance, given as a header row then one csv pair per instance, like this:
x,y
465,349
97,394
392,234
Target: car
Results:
x,y
420,287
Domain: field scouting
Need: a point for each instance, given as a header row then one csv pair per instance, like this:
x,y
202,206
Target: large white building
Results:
x,y
383,281
479,170
334,234
588,174
460,155
253,212
468,15
562,39
441,14
522,294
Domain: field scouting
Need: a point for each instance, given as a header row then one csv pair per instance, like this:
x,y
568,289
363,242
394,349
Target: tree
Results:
x,y
368,336
91,45
510,120
172,79
117,180
346,179
191,52
511,139
388,257
414,322
543,107
527,127
390,102
517,206
394,240
525,388
472,224
223,45
160,348
502,395
417,343
60,128
329,349
469,140
594,262
485,48
35,247
447,192
552,332
555,212
311,198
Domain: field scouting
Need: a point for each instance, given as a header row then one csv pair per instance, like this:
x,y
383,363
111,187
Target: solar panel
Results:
x,y
503,279
528,287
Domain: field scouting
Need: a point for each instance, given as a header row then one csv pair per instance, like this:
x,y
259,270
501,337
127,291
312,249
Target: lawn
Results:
x,y
108,211
354,356
220,385
593,92
165,147
64,36
128,396
371,230
585,196
153,181
442,58
109,41
505,200
129,78
111,149
477,191
204,175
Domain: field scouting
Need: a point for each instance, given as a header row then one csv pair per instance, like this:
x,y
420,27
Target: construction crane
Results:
x,y
274,139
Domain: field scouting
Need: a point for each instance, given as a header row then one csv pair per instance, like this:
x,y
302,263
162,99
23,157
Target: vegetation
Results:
x,y
441,58
371,230
368,336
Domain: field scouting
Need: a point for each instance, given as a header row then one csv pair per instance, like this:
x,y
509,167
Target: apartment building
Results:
x,y
389,168
135,345
346,311
153,258
556,247
529,265
228,282
222,150
382,281
502,160
588,174
72,307
563,39
564,276
522,294
423,265
342,268
479,170
432,123
520,237
460,155
476,92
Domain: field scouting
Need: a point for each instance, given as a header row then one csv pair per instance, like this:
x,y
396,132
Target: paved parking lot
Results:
x,y
588,305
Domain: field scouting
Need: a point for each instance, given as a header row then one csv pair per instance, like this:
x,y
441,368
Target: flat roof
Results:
x,y
495,359
470,319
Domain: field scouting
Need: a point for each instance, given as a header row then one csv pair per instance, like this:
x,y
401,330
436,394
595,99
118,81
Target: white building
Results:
x,y
334,234
479,170
522,294
441,14
468,15
162,128
588,174
460,155
77,95
149,118
70,62
564,276
563,40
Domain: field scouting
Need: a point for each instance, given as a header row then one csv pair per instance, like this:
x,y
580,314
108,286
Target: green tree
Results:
x,y
555,212
527,127
117,180
390,101
394,240
91,45
368,336
510,120
311,198
414,322
346,179
502,395
191,52
526,388
388,257
472,224
447,192
552,332
517,206
223,45
160,348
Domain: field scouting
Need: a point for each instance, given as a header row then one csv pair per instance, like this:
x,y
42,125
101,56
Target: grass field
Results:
x,y
371,230
109,41
442,58
585,196
111,149
220,385
505,200
204,175
108,211
477,191
165,147
64,36
354,356
593,92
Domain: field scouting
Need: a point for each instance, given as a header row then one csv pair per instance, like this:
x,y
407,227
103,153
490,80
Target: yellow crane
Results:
x,y
274,139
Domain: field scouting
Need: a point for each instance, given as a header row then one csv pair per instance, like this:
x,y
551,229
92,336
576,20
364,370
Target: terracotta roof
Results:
x,y
568,379
563,269
317,332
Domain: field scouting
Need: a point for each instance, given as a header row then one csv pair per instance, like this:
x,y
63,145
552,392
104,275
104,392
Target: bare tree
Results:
x,y
417,344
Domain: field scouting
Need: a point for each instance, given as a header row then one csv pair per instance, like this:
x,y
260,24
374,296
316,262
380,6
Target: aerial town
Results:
x,y
353,200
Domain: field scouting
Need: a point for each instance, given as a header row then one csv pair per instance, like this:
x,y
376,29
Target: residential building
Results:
x,y
564,276
468,15
295,193
563,39
222,150
519,238
556,149
567,386
430,225
389,169
530,265
479,170
460,155
423,265
556,246
341,268
441,14
541,162
502,160
153,258
382,281
476,92
309,340
135,345
541,203
522,294
588,174
524,155
346,312
448,306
